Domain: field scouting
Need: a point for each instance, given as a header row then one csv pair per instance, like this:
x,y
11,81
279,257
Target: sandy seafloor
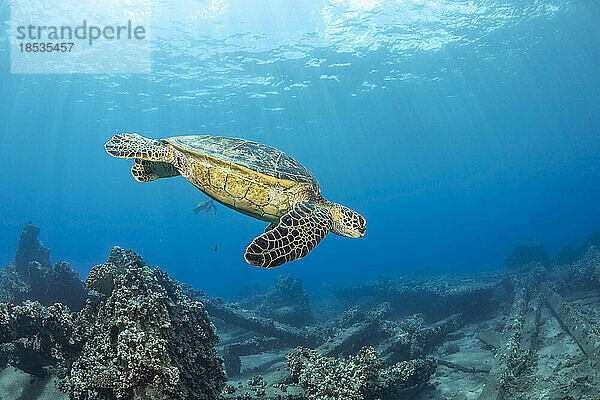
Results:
x,y
560,371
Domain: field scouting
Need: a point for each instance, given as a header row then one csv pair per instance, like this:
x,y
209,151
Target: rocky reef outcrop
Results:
x,y
358,377
141,335
362,355
572,254
36,338
488,335
32,277
137,337
526,254
286,302
330,378
150,340
435,297
585,272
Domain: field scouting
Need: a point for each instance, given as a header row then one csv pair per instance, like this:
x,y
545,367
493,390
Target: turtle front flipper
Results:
x,y
147,171
297,233
270,227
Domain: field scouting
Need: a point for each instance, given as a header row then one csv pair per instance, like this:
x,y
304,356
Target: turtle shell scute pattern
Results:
x,y
252,155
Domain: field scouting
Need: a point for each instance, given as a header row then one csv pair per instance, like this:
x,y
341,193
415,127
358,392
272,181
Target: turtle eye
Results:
x,y
156,142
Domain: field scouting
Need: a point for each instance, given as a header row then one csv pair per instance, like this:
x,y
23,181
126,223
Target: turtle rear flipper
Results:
x,y
297,233
147,171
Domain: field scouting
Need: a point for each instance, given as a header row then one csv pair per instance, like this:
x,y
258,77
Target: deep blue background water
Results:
x,y
459,129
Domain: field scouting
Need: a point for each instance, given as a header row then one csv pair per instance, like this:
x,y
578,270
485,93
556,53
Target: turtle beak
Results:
x,y
116,146
361,231
361,225
111,148
124,145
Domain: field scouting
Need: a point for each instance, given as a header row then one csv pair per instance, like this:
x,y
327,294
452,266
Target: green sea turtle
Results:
x,y
249,177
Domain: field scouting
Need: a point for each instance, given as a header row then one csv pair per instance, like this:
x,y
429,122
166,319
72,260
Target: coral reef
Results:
x,y
32,276
150,340
406,377
530,332
526,254
570,255
34,337
356,378
247,319
382,349
436,297
585,272
13,289
287,302
329,378
138,336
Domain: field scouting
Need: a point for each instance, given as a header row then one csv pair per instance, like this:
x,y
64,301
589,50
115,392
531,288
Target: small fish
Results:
x,y
215,247
205,206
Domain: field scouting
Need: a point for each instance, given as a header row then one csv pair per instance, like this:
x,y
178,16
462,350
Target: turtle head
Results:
x,y
346,222
132,145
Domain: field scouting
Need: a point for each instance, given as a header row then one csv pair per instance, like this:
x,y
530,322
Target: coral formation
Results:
x,y
34,337
13,289
357,377
435,297
570,255
287,302
247,319
150,340
32,276
585,272
142,336
526,254
138,336
329,378
405,377
30,249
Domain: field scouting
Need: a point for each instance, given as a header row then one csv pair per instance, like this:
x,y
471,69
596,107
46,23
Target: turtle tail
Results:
x,y
132,145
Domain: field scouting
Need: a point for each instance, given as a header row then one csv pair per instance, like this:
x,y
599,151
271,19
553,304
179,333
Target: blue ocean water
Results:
x,y
459,129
